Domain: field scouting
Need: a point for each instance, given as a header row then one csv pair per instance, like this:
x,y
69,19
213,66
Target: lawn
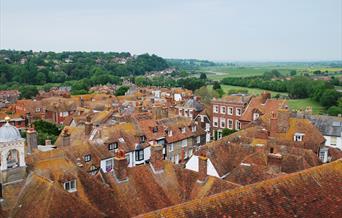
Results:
x,y
251,91
296,104
220,72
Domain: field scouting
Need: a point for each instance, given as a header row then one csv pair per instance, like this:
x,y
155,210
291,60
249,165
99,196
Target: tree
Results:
x,y
329,97
203,76
121,91
28,91
46,130
216,85
206,94
226,132
334,110
293,72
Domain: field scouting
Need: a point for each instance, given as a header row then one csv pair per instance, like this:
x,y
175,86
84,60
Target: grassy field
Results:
x,y
294,104
220,72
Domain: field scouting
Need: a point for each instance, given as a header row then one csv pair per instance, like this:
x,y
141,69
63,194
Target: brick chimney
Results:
x,y
31,139
273,124
120,166
274,162
202,168
65,137
88,126
265,96
283,120
159,112
156,160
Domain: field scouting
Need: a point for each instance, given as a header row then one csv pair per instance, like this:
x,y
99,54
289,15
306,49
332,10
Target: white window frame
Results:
x,y
216,109
113,146
222,122
198,139
215,121
237,125
298,137
70,186
230,110
171,147
37,110
87,158
111,165
169,133
223,109
184,143
238,111
255,116
194,128
230,124
183,129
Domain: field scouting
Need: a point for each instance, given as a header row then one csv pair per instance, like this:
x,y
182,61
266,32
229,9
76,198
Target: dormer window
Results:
x,y
142,139
70,186
37,110
183,129
87,158
194,128
112,146
169,133
155,129
255,116
298,137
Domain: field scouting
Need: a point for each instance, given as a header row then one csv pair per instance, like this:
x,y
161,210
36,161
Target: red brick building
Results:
x,y
226,113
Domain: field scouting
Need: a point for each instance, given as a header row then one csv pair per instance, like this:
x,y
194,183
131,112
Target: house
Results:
x,y
330,127
9,97
191,108
259,106
58,109
226,113
34,108
294,195
292,143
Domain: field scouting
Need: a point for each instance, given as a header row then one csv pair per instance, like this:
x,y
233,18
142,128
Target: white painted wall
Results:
x,y
338,142
192,164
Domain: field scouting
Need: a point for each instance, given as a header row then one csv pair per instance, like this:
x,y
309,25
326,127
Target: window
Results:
x,y
216,108
333,140
223,123
223,110
169,133
155,129
298,137
184,143
87,158
190,152
322,155
255,116
142,139
180,112
215,121
238,111
70,186
230,124
198,139
37,110
230,111
139,155
177,159
190,113
271,150
112,146
193,128
183,129
109,165
237,125
171,147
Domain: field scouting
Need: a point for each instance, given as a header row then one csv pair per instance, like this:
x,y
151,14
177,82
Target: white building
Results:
x,y
12,147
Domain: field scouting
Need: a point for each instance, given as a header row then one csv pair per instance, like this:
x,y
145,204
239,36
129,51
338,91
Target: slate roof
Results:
x,y
192,103
327,125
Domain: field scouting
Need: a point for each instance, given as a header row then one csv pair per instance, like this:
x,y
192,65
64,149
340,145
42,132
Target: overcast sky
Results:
x,y
243,30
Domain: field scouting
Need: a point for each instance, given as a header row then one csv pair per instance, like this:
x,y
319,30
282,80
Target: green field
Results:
x,y
220,72
294,104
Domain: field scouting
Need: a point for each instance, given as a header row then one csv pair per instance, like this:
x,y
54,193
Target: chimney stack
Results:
x,y
202,168
265,96
65,137
283,120
31,138
274,162
88,126
48,142
156,159
273,124
120,166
